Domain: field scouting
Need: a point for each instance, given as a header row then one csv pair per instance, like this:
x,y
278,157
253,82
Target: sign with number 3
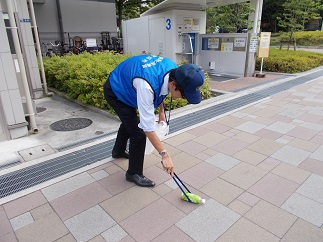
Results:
x,y
168,24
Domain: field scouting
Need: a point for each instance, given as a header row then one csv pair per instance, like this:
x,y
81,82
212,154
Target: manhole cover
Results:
x,y
40,109
71,124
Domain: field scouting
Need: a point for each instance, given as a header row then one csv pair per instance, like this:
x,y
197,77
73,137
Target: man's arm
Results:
x,y
161,113
166,160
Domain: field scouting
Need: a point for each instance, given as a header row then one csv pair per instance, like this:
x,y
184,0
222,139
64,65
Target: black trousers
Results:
x,y
128,130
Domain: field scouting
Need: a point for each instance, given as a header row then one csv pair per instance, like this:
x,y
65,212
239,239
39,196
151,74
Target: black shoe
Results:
x,y
122,155
140,180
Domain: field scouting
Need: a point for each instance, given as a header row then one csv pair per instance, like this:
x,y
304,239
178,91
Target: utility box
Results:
x,y
224,53
171,33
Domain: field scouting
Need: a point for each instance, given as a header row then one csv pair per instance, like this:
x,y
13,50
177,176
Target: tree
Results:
x,y
129,9
230,18
270,11
297,13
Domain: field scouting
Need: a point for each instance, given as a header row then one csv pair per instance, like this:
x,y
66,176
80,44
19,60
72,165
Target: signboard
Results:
x,y
213,43
239,42
227,47
253,44
264,44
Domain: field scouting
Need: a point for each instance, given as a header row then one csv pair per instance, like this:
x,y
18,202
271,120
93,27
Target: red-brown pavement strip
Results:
x,y
242,82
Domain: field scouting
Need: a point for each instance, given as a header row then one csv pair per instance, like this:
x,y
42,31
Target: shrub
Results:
x,y
82,77
289,61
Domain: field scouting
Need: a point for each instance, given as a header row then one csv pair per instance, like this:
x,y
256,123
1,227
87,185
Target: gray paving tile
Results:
x,y
89,223
66,186
312,188
280,127
208,222
271,218
170,183
114,234
98,175
291,155
313,126
152,220
250,127
223,161
305,208
318,154
21,221
303,231
246,231
292,113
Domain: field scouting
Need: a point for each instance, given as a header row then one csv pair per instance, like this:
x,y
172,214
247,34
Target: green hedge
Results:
x,y
290,61
82,77
303,38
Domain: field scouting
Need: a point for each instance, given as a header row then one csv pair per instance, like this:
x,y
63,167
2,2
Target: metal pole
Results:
x,y
35,30
256,20
262,62
16,41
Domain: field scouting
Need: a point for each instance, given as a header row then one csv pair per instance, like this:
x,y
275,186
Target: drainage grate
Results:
x,y
36,174
71,124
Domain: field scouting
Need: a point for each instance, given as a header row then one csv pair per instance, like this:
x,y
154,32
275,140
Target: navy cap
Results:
x,y
190,78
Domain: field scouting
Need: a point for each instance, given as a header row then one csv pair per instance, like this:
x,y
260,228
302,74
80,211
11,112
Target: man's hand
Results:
x,y
168,164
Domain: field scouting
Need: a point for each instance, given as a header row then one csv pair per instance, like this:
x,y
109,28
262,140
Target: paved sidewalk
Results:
x,y
260,169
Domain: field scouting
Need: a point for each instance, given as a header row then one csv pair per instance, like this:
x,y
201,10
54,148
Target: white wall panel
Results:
x,y
10,72
17,108
7,108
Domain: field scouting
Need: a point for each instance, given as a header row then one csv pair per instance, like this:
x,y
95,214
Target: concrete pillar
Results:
x,y
28,49
251,55
12,117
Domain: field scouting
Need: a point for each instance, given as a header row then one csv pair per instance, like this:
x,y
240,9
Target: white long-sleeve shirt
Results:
x,y
145,101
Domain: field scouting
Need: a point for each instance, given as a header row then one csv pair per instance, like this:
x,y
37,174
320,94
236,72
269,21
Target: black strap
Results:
x,y
170,108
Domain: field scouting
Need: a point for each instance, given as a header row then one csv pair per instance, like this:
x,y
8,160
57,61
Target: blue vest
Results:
x,y
148,67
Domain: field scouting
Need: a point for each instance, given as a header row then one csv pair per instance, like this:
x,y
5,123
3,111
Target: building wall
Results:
x,y
159,33
12,119
80,18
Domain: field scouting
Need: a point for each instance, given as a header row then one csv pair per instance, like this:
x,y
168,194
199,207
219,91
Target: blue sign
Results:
x,y
24,20
168,22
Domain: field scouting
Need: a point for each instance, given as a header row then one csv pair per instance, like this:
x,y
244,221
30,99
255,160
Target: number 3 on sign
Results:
x,y
168,24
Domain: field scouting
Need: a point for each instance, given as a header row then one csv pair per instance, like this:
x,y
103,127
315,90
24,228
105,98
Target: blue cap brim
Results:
x,y
193,97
